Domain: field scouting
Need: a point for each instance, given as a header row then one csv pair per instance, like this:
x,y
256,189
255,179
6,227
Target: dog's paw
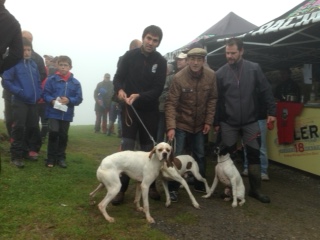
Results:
x,y
139,209
168,203
234,204
110,219
207,195
242,202
151,220
196,205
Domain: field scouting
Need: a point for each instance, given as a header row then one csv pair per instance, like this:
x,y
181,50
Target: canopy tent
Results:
x,y
231,24
287,41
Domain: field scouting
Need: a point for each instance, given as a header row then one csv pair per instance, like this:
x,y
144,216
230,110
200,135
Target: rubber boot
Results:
x,y
254,175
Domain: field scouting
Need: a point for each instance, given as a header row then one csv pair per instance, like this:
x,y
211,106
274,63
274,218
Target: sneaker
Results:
x,y
245,173
49,163
153,194
173,196
118,199
18,162
33,155
264,177
62,163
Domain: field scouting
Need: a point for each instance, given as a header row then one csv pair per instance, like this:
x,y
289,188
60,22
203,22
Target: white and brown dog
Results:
x,y
227,173
174,170
141,166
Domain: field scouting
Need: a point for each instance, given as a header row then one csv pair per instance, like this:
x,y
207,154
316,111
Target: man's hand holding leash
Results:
x,y
129,100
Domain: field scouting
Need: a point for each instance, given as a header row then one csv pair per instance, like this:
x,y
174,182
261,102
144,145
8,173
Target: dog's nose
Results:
x,y
165,155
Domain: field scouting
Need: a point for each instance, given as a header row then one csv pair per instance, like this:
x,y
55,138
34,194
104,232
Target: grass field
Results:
x,y
53,203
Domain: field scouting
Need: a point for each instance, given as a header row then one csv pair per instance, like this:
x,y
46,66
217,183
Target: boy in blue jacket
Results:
x,y
23,82
62,92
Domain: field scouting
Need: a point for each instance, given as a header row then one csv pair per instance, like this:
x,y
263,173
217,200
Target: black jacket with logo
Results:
x,y
146,76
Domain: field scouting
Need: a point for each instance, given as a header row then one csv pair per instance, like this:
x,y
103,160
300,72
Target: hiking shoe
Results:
x,y
118,199
18,162
173,196
264,177
153,194
62,163
32,155
245,173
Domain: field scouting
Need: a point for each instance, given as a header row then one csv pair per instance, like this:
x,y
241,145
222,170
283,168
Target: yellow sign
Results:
x,y
304,152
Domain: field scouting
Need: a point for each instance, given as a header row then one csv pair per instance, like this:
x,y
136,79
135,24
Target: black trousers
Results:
x,y
24,116
8,115
58,139
131,126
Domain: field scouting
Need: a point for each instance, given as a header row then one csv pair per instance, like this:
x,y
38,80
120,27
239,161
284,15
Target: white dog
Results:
x,y
227,173
138,165
174,171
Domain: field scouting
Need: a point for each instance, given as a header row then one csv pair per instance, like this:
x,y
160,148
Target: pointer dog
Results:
x,y
141,166
227,173
174,171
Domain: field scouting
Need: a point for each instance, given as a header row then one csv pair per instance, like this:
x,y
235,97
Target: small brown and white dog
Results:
x,y
227,173
175,169
143,167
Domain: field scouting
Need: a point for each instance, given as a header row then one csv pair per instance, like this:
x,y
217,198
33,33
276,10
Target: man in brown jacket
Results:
x,y
190,109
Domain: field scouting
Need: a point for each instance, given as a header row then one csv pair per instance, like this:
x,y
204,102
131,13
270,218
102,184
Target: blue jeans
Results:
x,y
263,148
197,147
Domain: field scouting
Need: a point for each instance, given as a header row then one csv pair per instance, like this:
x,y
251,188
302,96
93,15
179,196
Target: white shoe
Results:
x,y
264,177
245,173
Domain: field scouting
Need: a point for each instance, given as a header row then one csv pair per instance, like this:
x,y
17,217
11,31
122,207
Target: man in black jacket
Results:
x,y
138,83
11,51
10,39
240,84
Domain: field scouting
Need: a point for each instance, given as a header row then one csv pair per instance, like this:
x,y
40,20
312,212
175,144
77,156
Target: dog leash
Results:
x,y
254,136
154,143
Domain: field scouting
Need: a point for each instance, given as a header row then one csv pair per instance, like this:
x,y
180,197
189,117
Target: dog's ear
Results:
x,y
152,152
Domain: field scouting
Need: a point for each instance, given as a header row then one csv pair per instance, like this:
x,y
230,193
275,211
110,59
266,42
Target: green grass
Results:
x,y
53,203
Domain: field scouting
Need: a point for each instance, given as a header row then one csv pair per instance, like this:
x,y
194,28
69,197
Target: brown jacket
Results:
x,y
191,101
